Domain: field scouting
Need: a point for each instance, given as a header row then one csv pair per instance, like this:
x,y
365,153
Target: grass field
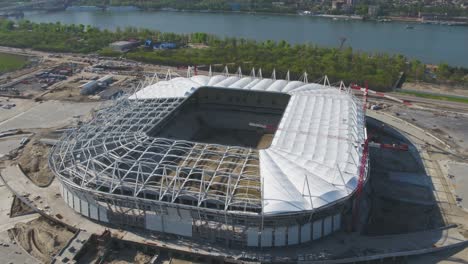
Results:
x,y
457,99
10,62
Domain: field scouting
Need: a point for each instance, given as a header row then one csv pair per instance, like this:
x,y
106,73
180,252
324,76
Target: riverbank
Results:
x,y
447,44
380,70
447,21
110,8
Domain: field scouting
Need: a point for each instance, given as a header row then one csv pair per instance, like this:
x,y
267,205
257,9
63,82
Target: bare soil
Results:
x,y
33,162
18,208
66,93
128,256
42,238
436,88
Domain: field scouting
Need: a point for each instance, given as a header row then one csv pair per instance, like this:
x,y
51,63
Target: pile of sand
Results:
x,y
128,256
33,162
19,208
42,238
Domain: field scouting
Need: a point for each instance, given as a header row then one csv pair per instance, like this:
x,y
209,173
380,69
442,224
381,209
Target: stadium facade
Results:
x,y
244,161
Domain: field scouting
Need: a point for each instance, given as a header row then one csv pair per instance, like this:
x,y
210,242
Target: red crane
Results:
x,y
363,166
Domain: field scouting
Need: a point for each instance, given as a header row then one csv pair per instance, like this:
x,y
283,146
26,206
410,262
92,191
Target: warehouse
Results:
x,y
123,46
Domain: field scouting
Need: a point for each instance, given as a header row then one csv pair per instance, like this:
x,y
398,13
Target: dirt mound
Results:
x,y
128,255
33,162
42,238
19,208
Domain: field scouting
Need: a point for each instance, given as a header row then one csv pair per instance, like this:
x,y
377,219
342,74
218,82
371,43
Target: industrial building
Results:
x,y
93,86
242,161
123,46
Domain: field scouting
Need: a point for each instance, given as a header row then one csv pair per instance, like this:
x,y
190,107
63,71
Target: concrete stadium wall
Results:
x,y
294,234
84,205
179,221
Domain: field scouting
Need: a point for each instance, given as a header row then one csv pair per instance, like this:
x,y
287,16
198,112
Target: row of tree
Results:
x,y
379,69
218,5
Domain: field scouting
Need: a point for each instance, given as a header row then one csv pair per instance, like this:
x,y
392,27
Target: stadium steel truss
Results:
x,y
116,169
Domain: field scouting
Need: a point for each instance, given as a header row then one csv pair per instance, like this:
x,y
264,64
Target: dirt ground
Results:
x,y
450,127
435,88
19,208
41,238
33,162
66,93
128,256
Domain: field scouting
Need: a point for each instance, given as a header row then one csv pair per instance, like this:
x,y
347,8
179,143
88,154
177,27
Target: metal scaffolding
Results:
x,y
113,153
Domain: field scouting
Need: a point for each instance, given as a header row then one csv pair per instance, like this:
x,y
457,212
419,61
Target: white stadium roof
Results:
x,y
314,159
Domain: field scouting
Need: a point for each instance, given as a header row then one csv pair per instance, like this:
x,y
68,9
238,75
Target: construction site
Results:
x,y
187,166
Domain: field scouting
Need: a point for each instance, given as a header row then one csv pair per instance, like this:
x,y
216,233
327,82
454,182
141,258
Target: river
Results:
x,y
428,43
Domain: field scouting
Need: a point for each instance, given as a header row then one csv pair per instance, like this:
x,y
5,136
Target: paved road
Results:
x,y
6,198
12,253
45,115
459,171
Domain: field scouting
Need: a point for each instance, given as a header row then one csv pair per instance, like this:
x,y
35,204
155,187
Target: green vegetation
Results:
x,y
457,99
10,62
108,52
215,5
380,70
387,7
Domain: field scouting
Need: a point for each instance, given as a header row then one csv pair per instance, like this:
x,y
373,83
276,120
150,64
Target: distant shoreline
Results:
x,y
385,19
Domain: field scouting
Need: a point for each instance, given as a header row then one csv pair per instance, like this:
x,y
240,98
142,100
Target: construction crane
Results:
x,y
362,168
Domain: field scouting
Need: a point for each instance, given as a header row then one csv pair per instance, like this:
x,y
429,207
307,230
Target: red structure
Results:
x,y
363,165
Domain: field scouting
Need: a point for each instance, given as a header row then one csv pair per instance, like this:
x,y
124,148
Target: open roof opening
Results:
x,y
225,116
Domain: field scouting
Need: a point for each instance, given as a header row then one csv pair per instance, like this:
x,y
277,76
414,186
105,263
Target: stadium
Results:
x,y
240,161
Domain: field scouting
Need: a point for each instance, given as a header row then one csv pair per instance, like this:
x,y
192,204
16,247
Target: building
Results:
x,y
108,79
89,87
277,3
123,46
338,4
240,161
373,10
165,45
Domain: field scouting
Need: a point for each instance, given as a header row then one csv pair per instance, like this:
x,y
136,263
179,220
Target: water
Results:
x,y
428,43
